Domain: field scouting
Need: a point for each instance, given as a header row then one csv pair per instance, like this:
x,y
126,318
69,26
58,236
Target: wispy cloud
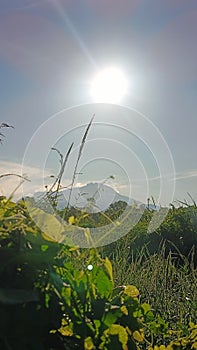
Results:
x,y
35,179
12,183
185,175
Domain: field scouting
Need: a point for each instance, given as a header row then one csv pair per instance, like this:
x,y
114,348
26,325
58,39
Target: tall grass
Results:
x,y
170,288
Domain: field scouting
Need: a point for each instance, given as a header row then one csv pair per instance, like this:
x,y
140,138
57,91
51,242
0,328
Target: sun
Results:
x,y
109,86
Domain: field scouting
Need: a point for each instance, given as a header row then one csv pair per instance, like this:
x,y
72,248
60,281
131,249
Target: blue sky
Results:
x,y
49,52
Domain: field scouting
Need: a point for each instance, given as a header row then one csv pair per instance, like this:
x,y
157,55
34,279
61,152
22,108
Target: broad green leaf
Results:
x,y
52,228
111,318
139,336
116,329
66,294
124,310
146,307
97,324
103,284
81,290
73,249
48,238
108,267
44,247
193,334
150,316
66,329
88,344
131,291
71,220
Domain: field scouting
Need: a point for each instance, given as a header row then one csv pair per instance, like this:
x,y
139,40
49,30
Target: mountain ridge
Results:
x,y
91,197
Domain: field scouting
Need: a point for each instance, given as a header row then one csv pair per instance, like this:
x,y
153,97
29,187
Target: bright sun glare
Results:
x,y
109,86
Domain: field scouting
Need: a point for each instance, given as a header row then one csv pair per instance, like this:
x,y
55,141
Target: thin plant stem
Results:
x,y
78,158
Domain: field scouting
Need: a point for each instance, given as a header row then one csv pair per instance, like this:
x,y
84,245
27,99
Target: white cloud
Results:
x,y
12,183
35,179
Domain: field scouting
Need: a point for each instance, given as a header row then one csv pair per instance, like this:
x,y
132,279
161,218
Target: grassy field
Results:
x,y
54,296
171,290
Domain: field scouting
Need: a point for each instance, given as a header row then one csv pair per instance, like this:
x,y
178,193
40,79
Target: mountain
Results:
x,y
92,197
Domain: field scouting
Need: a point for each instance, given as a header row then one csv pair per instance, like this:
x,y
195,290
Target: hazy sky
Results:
x,y
50,51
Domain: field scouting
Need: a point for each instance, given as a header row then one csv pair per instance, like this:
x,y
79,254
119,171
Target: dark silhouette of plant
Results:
x,y
52,192
78,158
4,125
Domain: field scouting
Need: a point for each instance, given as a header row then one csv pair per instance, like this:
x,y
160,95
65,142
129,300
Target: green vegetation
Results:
x,y
138,293
54,296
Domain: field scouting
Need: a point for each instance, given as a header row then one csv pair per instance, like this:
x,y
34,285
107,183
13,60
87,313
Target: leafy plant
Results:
x,y
97,316
25,259
59,297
